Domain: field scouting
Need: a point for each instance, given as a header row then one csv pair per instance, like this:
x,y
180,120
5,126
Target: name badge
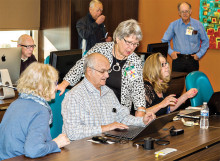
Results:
x,y
189,30
131,73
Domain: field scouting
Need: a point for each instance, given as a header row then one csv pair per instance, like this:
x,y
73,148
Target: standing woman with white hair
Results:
x,y
125,78
24,129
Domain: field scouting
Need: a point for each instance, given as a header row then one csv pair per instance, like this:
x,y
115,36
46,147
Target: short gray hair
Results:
x,y
22,38
93,2
179,4
128,28
89,62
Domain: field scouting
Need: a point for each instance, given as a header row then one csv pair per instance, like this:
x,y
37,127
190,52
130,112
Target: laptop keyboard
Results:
x,y
128,134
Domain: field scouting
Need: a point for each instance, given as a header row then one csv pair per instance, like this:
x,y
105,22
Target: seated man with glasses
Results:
x,y
91,107
156,74
27,44
190,40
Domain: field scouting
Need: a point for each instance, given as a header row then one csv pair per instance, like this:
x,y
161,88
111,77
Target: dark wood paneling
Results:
x,y
55,14
58,20
55,25
115,11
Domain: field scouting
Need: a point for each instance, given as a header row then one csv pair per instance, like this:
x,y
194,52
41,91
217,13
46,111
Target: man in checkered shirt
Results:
x,y
91,108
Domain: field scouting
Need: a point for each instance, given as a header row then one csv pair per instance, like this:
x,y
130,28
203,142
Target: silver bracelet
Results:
x,y
141,110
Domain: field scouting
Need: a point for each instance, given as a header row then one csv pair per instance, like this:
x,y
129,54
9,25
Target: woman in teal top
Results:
x,y
24,129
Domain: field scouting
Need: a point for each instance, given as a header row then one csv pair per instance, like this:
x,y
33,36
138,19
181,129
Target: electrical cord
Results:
x,y
160,141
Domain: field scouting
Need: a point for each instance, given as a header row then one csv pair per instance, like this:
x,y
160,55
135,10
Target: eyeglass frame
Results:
x,y
28,46
102,72
130,43
186,11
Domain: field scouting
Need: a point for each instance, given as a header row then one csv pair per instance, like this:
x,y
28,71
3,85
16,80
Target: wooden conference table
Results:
x,y
190,142
4,105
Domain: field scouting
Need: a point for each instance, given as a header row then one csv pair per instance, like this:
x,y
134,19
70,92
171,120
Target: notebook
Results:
x,y
190,113
135,132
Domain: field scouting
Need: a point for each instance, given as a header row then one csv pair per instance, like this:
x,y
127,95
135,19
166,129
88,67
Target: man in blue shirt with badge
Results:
x,y
190,40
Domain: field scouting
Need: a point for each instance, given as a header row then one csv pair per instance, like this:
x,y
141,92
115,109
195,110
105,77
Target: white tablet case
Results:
x,y
5,79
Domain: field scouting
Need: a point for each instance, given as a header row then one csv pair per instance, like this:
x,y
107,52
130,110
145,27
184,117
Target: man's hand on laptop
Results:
x,y
148,117
112,126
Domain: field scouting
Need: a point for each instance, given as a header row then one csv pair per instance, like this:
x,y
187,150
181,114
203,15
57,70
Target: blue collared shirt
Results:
x,y
187,44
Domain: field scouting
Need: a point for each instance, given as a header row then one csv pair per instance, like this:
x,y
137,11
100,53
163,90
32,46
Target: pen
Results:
x,y
168,109
106,35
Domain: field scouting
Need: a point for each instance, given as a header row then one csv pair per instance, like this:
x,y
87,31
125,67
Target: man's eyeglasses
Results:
x,y
164,64
102,71
186,11
130,43
28,46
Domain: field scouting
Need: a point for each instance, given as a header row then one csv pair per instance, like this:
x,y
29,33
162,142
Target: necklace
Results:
x,y
117,67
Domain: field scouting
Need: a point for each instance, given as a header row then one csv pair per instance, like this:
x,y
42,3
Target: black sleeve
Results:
x,y
84,29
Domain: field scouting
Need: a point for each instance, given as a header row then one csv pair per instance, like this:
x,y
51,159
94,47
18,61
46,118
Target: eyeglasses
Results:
x,y
130,43
186,11
164,64
28,46
56,83
103,71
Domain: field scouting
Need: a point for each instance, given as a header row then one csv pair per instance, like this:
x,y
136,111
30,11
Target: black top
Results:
x,y
89,30
25,64
114,80
153,99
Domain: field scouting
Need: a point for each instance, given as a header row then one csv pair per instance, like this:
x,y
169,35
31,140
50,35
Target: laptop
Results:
x,y
135,132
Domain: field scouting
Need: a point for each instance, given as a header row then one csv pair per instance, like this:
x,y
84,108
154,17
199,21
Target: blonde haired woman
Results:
x,y
25,126
156,74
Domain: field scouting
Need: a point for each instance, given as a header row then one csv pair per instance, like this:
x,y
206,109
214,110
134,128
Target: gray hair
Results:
x,y
89,62
93,2
179,4
22,38
128,28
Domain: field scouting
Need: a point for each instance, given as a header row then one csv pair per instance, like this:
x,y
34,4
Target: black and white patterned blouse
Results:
x,y
132,90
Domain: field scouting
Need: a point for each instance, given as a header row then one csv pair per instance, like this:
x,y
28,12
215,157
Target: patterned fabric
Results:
x,y
131,90
39,100
84,110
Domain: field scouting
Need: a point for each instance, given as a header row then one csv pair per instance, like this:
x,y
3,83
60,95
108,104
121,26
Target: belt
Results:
x,y
185,56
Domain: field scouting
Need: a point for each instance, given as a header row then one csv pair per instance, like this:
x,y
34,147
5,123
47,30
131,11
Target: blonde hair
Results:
x,y
152,73
38,79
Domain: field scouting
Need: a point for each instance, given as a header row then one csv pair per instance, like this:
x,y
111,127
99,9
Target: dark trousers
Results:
x,y
185,63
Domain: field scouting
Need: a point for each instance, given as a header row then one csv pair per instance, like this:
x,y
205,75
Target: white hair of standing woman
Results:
x,y
126,29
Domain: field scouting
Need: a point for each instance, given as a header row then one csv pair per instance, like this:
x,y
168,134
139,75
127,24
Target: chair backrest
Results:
x,y
201,82
47,60
56,126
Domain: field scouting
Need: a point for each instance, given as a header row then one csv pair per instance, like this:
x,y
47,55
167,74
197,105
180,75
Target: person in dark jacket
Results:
x,y
91,28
